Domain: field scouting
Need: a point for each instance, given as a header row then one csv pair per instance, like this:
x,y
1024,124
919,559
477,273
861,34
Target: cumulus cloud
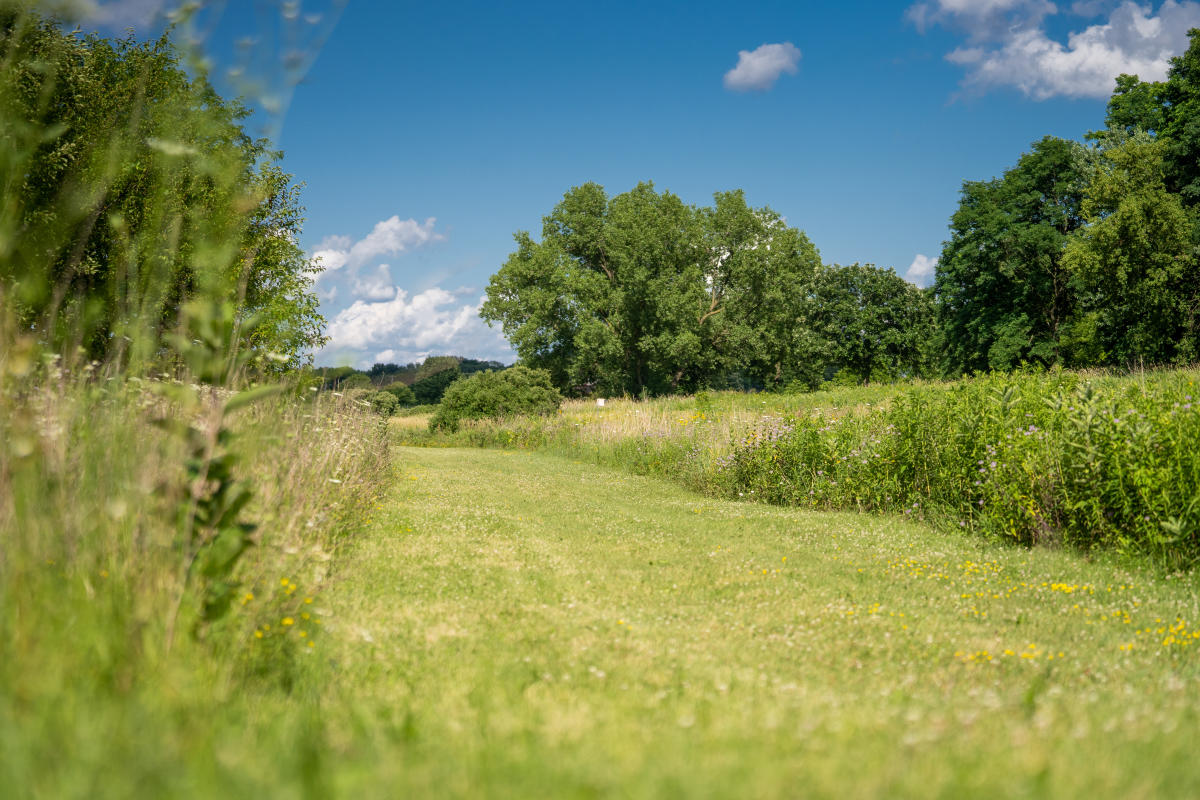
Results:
x,y
375,285
404,328
1134,39
391,237
921,270
757,70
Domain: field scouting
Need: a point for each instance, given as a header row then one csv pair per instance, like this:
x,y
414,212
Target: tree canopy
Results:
x,y
642,292
1002,290
871,322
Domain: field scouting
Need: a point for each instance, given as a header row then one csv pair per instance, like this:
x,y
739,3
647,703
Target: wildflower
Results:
x,y
287,621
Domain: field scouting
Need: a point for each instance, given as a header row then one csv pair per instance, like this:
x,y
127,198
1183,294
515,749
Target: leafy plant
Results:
x,y
213,534
517,390
384,403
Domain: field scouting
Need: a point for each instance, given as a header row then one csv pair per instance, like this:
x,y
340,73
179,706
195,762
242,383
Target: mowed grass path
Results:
x,y
520,625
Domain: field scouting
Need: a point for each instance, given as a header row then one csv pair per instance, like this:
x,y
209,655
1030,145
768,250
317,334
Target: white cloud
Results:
x,y
1008,47
921,269
385,357
124,13
375,285
980,19
405,329
391,237
757,70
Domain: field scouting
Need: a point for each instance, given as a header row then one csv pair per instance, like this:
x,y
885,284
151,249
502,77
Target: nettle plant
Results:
x,y
212,531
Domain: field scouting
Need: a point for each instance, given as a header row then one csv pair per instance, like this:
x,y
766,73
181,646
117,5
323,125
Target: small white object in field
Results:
x,y
600,402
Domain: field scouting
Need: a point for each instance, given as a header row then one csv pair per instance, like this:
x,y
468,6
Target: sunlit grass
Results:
x,y
537,627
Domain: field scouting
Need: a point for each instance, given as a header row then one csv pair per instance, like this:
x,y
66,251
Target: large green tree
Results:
x,y
1170,111
872,322
129,186
644,293
1134,265
1002,292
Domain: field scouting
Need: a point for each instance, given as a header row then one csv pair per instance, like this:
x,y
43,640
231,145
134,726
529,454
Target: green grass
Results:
x,y
521,626
514,624
1084,459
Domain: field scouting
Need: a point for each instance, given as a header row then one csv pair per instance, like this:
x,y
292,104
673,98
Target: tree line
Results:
x,y
641,293
1083,254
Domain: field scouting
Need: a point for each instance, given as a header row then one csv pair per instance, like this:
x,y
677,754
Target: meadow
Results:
x,y
1088,460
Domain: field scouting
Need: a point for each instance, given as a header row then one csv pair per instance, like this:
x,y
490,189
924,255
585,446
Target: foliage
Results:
x,y
130,186
93,566
1134,265
484,395
643,293
403,394
1169,110
384,403
1002,292
430,389
870,322
1087,461
355,380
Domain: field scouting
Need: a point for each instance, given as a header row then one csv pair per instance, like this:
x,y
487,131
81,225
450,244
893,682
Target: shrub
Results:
x,y
517,390
384,403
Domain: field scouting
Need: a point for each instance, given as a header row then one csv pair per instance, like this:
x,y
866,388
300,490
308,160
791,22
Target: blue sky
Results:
x,y
428,133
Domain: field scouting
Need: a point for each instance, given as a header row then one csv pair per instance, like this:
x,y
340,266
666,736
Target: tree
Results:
x,y
430,389
1134,264
1170,111
403,394
644,293
873,323
130,187
1002,293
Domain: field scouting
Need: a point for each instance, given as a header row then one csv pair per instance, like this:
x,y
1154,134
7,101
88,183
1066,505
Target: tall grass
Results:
x,y
1081,459
92,572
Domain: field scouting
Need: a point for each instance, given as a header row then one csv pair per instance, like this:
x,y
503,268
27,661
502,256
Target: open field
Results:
x,y
1088,460
518,626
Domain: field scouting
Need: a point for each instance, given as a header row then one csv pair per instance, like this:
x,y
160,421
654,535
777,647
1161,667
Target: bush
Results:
x,y
517,390
384,403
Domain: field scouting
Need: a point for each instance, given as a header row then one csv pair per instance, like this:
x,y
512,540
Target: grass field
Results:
x,y
1092,461
520,625
523,626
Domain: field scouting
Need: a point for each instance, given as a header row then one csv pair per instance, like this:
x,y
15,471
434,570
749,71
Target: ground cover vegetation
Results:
x,y
1089,461
215,580
520,625
172,486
